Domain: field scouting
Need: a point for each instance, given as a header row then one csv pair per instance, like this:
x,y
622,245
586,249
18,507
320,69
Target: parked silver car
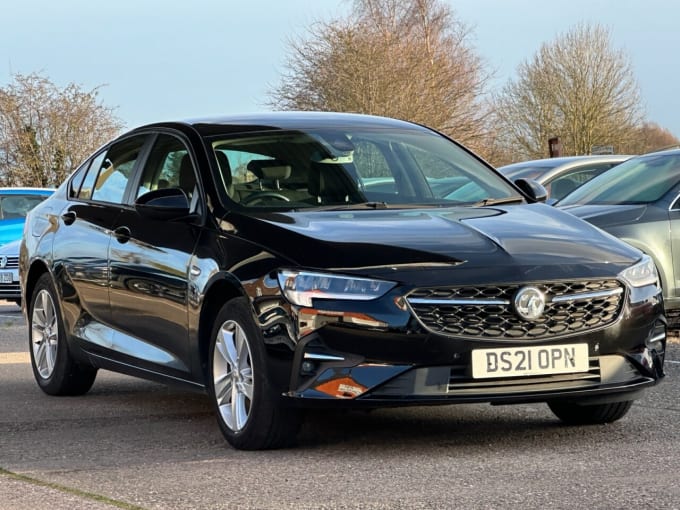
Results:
x,y
563,175
639,202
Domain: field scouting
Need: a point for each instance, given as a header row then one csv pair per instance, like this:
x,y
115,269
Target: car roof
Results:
x,y
553,167
564,161
284,120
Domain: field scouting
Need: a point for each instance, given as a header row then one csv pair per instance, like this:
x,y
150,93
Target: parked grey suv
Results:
x,y
639,202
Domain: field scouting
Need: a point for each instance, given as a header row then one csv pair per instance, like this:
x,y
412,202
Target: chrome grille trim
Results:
x,y
487,312
422,301
586,295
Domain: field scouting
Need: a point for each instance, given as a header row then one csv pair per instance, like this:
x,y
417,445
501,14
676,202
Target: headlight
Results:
x,y
641,274
301,287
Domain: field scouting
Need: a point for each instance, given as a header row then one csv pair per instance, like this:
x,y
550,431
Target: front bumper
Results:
x,y
9,284
334,376
380,357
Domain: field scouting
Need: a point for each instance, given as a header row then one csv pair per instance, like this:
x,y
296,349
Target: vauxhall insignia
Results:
x,y
3,261
529,303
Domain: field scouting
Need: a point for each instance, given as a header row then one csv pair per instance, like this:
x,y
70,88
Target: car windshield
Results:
x,y
640,180
17,206
347,168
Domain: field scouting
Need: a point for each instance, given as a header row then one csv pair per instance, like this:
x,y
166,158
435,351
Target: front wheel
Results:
x,y
578,414
54,368
249,410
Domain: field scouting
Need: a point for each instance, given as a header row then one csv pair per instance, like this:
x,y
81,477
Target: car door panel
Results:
x,y
149,267
86,273
148,286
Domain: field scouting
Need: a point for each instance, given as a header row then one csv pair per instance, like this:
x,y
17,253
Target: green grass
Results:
x,y
69,490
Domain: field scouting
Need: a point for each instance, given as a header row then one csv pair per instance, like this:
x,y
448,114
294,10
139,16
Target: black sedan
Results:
x,y
249,257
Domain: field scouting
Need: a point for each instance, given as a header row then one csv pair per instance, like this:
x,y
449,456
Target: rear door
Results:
x,y
81,247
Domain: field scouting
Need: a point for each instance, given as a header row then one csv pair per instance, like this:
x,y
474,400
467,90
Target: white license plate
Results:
x,y
5,277
535,360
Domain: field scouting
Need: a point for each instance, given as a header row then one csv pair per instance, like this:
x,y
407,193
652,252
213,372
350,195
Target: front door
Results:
x,y
149,267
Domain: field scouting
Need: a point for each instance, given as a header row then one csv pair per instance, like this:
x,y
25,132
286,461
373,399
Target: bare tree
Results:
x,y
46,131
403,59
651,137
577,87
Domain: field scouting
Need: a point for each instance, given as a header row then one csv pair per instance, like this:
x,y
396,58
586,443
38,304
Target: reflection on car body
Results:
x,y
279,261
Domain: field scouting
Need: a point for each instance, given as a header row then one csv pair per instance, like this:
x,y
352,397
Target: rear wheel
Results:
x,y
578,414
54,368
249,410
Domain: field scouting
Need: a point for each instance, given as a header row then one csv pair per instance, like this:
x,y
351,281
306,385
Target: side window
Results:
x,y
581,176
77,179
84,190
565,184
168,166
116,170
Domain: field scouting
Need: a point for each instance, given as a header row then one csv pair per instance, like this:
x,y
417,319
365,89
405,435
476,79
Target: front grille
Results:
x,y
488,311
12,263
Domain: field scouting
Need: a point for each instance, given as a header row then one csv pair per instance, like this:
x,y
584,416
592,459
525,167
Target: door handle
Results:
x,y
122,234
68,217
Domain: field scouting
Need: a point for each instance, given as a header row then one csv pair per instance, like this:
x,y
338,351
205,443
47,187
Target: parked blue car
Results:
x,y
14,204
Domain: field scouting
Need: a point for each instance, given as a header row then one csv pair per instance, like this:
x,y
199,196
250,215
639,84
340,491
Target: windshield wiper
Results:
x,y
358,205
374,205
497,201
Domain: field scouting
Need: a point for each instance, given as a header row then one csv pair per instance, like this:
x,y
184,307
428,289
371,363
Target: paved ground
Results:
x,y
136,444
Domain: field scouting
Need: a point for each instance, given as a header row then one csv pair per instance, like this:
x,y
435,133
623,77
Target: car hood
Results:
x,y
511,242
608,215
11,249
11,230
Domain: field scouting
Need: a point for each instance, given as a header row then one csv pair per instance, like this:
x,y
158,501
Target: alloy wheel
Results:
x,y
233,375
44,334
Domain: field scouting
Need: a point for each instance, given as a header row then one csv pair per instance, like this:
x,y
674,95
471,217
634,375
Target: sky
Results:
x,y
159,60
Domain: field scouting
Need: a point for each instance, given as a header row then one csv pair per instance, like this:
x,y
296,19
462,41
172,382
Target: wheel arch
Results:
x,y
35,271
222,288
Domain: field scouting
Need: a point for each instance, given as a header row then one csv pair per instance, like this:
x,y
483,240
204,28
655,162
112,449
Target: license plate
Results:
x,y
524,361
5,277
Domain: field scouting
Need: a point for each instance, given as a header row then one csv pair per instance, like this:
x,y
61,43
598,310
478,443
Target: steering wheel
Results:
x,y
264,196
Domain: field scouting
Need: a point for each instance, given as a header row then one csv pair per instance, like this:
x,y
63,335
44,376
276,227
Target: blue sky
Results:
x,y
166,59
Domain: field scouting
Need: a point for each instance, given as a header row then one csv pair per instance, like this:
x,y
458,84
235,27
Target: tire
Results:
x,y
54,368
249,409
577,414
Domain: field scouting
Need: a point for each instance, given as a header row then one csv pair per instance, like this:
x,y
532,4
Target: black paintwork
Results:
x,y
138,292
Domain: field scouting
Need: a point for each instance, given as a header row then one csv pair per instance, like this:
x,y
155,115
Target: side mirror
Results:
x,y
163,204
534,191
